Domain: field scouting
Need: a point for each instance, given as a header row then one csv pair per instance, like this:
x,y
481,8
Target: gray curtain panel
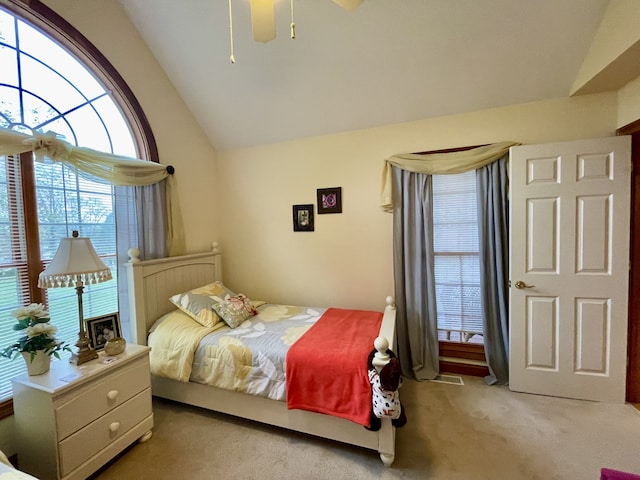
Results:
x,y
416,318
493,226
151,212
140,222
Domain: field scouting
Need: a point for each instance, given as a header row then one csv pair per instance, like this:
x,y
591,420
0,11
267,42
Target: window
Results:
x,y
44,87
456,258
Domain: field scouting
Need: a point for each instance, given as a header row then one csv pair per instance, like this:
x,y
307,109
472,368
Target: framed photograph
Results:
x,y
330,200
101,329
303,218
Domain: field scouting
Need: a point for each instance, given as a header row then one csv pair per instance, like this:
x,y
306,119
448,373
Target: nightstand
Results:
x,y
72,420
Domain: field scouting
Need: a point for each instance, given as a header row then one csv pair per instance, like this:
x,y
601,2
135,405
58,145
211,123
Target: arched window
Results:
x,y
53,79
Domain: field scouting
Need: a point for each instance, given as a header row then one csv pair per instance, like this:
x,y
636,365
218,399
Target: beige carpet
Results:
x,y
454,432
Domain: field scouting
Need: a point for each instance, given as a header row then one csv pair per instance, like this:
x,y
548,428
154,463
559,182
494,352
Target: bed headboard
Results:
x,y
152,282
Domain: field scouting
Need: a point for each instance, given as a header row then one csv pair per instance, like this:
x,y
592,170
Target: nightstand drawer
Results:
x,y
84,405
96,436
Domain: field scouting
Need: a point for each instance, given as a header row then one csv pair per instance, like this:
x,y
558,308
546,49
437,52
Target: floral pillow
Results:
x,y
199,302
235,309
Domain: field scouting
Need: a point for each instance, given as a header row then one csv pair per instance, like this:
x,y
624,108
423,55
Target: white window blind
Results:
x,y
67,202
456,258
14,280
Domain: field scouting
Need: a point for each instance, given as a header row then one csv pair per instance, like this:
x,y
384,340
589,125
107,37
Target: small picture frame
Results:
x,y
330,200
101,329
303,218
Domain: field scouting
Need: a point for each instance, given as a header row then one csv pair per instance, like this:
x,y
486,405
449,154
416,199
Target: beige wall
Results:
x,y
629,103
612,59
180,139
347,261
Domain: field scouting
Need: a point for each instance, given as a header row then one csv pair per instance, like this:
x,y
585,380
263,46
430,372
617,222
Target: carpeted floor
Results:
x,y
454,433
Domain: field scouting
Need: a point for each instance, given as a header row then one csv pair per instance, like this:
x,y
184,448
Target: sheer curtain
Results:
x,y
147,211
113,169
406,193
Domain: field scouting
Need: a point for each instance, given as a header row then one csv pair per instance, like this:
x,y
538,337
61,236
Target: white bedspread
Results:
x,y
248,359
251,358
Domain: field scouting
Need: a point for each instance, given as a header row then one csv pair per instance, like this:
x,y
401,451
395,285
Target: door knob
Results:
x,y
521,284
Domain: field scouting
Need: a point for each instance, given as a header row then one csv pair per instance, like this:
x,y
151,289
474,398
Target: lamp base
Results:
x,y
85,353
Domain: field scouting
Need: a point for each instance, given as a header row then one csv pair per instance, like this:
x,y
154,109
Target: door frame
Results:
x,y
633,339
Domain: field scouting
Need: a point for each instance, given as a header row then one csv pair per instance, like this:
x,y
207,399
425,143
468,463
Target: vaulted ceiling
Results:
x,y
389,61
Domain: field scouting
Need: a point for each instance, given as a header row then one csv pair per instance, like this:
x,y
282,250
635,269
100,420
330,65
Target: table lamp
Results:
x,y
76,263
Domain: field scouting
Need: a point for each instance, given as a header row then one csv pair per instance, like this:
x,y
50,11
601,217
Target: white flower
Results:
x,y
41,329
36,310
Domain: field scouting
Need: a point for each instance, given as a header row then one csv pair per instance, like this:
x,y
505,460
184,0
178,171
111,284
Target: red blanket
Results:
x,y
327,366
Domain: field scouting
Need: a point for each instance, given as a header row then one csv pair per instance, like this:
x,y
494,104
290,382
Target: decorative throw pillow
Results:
x,y
198,303
235,309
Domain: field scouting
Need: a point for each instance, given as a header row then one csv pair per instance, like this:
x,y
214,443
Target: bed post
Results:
x,y
137,327
386,340
218,265
381,357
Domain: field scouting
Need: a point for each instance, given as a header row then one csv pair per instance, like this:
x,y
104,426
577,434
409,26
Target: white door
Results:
x,y
569,262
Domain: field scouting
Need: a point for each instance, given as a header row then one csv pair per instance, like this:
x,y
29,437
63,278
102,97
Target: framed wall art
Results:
x,y
303,218
101,329
330,200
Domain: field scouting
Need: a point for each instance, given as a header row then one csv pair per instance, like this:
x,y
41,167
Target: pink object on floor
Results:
x,y
609,474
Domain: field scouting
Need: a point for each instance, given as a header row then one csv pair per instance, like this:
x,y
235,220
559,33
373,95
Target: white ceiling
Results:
x,y
390,61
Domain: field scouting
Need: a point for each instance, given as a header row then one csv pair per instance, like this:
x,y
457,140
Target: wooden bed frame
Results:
x,y
152,282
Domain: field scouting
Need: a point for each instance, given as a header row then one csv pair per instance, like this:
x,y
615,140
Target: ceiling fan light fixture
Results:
x,y
349,5
263,20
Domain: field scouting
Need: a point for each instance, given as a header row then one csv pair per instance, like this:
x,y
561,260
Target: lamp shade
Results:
x,y
75,260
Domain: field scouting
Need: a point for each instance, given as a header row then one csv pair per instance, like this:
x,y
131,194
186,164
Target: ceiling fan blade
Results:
x,y
263,20
350,5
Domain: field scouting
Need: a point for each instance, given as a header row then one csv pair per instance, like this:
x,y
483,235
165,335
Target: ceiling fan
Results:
x,y
263,17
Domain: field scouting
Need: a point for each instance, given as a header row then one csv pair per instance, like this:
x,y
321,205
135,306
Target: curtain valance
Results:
x,y
439,164
100,166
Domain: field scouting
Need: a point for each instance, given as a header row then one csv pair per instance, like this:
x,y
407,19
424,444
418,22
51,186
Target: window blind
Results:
x,y
14,278
67,202
456,257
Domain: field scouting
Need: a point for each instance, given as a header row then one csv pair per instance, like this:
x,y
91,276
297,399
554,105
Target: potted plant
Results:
x,y
38,341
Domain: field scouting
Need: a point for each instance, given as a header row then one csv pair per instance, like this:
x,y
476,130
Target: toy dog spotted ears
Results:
x,y
385,398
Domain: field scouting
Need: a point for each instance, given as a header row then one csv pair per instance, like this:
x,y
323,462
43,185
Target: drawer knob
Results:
x,y
114,427
112,395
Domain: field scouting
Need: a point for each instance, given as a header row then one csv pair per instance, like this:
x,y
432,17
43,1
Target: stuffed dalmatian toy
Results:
x,y
385,397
